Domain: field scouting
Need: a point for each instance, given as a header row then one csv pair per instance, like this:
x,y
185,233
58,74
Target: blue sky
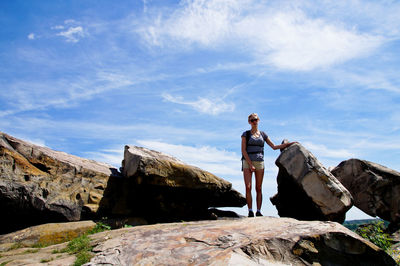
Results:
x,y
88,77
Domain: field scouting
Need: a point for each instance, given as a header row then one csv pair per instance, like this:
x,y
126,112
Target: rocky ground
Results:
x,y
244,241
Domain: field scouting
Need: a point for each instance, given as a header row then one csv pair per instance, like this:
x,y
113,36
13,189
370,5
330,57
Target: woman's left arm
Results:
x,y
276,147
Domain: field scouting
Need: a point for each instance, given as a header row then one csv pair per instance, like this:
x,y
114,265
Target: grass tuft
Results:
x,y
81,247
82,258
100,227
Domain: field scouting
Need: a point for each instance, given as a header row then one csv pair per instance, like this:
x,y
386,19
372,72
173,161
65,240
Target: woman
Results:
x,y
253,160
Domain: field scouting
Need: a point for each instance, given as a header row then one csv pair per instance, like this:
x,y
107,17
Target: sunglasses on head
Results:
x,y
253,120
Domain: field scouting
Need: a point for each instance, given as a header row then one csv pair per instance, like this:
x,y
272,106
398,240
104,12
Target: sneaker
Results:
x,y
251,214
258,214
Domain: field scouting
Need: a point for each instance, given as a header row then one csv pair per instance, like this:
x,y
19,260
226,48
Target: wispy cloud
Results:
x,y
72,34
70,30
369,79
109,156
287,39
62,93
203,105
216,161
323,151
203,22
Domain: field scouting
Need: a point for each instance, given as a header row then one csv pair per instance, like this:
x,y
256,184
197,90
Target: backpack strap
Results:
x,y
248,135
265,136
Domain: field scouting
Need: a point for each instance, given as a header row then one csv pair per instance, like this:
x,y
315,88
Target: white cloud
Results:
x,y
31,36
199,21
291,40
71,30
109,156
285,38
203,105
73,34
216,161
323,151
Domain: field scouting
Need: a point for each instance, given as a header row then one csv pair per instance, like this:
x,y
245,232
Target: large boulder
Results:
x,y
39,185
172,189
307,190
375,188
247,241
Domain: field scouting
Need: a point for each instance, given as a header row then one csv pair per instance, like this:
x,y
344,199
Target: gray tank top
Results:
x,y
255,146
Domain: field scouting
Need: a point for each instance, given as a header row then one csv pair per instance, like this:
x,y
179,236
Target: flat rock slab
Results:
x,y
37,256
247,241
46,234
307,190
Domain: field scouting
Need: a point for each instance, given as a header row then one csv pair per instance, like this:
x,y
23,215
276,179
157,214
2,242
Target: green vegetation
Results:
x,y
40,245
56,251
81,247
100,227
354,224
82,258
4,263
31,251
45,260
16,245
375,232
78,244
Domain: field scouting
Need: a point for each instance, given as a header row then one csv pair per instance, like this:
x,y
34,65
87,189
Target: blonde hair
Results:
x,y
253,116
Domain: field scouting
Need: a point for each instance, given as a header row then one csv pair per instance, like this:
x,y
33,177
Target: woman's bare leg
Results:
x,y
259,181
247,183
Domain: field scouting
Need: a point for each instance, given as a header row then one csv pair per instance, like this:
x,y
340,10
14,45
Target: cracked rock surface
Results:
x,y
246,241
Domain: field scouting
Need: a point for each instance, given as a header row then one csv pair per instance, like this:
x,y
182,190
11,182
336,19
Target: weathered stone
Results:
x,y
46,234
375,188
306,190
172,188
248,241
40,185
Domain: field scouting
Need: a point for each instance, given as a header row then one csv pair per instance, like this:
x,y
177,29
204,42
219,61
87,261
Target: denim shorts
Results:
x,y
259,165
